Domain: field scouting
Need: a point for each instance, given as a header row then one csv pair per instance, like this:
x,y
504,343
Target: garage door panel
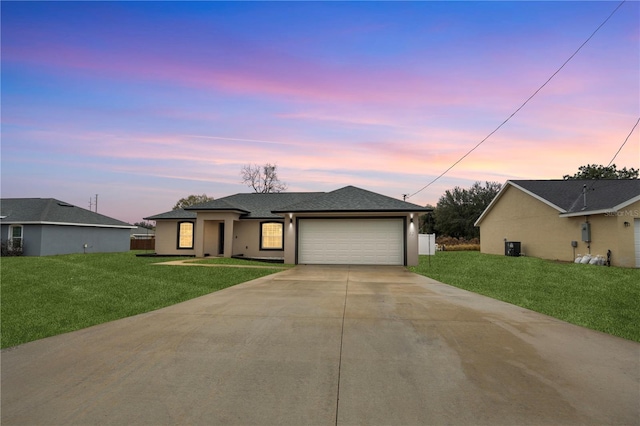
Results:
x,y
351,241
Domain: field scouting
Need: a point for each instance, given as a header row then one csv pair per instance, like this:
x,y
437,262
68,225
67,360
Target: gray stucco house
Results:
x,y
347,226
46,226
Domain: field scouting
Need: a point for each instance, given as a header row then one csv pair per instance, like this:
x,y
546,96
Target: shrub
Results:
x,y
458,244
9,250
464,247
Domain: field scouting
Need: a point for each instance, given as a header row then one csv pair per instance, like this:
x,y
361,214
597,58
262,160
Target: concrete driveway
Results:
x,y
327,345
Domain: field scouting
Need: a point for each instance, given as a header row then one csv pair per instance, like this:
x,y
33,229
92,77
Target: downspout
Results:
x,y
586,220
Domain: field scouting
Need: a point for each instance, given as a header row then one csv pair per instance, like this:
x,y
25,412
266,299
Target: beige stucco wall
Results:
x,y
211,246
412,240
543,233
243,237
207,225
167,238
624,254
247,239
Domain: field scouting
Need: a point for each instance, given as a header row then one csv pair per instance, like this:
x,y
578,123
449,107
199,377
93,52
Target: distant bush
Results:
x,y
458,244
463,247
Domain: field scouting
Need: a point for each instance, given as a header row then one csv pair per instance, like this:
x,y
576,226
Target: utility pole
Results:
x,y
92,204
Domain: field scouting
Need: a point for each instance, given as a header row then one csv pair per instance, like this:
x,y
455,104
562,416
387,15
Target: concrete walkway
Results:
x,y
192,262
326,346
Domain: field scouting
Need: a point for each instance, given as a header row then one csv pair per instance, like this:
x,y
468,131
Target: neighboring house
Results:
x,y
346,226
46,226
558,219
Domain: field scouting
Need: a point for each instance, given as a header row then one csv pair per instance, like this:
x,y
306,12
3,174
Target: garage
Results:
x,y
353,241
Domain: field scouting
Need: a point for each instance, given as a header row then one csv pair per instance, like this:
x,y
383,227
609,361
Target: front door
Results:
x,y
221,239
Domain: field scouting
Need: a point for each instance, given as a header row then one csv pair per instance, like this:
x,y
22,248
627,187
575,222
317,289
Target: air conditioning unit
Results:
x,y
512,248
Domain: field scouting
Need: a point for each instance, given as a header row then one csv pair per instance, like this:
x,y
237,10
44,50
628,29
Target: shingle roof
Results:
x,y
50,210
272,205
352,199
173,214
568,197
257,205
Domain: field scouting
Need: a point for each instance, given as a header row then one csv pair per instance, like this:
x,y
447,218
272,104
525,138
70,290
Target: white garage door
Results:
x,y
351,241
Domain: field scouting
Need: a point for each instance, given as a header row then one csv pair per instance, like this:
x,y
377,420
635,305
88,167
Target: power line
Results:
x,y
625,141
523,104
618,152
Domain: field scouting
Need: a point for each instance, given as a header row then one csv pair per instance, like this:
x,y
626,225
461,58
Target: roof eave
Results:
x,y
262,218
155,219
491,204
585,213
241,211
627,203
44,222
526,191
611,210
356,211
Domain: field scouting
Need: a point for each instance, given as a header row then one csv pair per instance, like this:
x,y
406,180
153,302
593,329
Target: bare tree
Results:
x,y
262,179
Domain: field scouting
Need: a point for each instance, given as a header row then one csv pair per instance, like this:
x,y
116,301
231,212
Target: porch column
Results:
x,y
198,243
290,239
228,238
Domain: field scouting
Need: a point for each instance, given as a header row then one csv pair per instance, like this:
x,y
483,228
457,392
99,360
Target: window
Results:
x,y
15,237
185,235
271,236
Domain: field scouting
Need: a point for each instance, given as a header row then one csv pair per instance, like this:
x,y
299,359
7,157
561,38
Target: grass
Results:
x,y
46,296
596,297
240,262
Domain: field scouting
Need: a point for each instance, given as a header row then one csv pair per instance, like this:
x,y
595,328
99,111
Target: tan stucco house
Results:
x,y
559,219
346,226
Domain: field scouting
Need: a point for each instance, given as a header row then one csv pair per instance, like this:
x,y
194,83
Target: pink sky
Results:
x,y
146,103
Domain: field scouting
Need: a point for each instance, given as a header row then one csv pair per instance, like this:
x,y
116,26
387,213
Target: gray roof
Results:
x,y
567,195
257,205
52,211
173,214
351,199
273,205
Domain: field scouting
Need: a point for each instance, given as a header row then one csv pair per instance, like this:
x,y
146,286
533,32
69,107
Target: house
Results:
x,y
346,226
559,219
46,226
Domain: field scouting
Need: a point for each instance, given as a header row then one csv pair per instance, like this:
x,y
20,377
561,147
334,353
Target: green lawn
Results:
x,y
597,297
45,296
240,262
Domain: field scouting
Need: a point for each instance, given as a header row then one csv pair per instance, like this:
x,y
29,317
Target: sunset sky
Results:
x,y
145,103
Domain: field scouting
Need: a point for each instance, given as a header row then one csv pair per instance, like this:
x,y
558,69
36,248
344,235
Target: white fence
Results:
x,y
427,244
